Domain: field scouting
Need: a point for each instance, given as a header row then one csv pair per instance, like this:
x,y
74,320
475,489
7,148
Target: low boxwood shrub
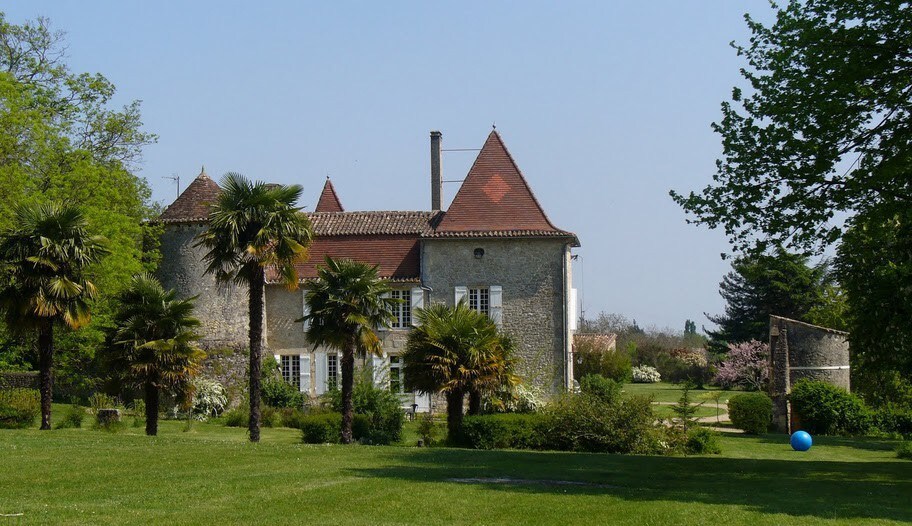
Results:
x,y
19,408
751,412
72,418
893,419
326,428
237,417
702,441
825,409
582,422
503,431
606,389
904,450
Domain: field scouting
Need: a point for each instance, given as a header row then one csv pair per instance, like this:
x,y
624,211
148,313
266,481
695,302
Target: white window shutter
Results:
x,y
496,299
380,366
417,302
306,310
322,366
461,293
305,373
383,327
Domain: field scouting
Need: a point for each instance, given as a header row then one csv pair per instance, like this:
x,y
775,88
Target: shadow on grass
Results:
x,y
865,443
824,489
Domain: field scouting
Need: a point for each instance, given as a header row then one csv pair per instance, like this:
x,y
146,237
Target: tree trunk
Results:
x,y
474,402
152,401
348,382
454,415
46,369
256,350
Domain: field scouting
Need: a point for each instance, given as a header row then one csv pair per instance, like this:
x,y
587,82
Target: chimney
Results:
x,y
436,178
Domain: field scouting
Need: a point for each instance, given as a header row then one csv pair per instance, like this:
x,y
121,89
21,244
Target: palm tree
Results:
x,y
46,255
154,341
457,351
347,303
254,226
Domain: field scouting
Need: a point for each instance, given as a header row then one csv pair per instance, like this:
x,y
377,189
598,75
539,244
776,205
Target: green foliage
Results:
x,y
893,419
18,408
702,441
379,406
457,351
875,267
72,418
823,130
596,354
106,421
427,429
686,411
781,283
326,428
825,409
751,412
292,417
279,393
102,401
236,417
607,390
586,423
504,431
904,450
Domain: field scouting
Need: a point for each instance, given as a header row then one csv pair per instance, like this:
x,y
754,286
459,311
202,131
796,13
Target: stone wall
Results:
x,y
535,278
222,309
799,350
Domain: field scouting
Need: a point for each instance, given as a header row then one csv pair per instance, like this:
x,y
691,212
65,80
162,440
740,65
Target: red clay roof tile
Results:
x,y
193,203
329,201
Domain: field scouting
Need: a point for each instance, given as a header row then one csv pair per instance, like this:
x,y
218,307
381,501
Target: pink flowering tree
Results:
x,y
747,365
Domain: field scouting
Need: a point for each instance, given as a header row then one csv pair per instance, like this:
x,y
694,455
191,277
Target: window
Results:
x,y
479,300
403,309
395,379
291,370
332,371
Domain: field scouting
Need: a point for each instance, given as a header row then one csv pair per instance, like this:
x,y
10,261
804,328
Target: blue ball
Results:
x,y
801,441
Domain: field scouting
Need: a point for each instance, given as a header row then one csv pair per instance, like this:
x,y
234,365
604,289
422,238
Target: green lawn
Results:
x,y
212,475
666,392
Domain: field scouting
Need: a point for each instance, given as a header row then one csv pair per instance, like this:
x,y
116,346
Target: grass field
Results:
x,y
211,474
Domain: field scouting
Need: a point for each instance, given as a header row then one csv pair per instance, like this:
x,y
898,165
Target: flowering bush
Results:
x,y
646,374
747,365
209,398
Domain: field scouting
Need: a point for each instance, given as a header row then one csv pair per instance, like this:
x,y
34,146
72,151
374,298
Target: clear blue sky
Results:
x,y
605,106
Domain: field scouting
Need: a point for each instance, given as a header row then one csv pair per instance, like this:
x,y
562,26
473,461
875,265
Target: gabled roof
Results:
x,y
397,256
371,223
495,200
329,201
193,203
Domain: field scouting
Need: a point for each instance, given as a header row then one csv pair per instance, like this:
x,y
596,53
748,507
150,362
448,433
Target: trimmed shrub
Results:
x,y
893,419
702,441
19,408
751,412
587,423
645,374
825,409
503,431
237,417
279,393
292,417
382,409
603,388
326,428
905,450
72,418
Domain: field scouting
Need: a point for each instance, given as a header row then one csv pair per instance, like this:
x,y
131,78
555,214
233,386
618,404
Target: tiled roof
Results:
x,y
495,198
329,201
371,223
193,203
397,256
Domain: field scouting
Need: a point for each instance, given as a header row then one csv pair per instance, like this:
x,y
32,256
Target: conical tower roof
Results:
x,y
192,205
329,201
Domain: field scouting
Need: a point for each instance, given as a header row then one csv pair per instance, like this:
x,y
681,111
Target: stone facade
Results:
x,y
534,275
222,309
799,350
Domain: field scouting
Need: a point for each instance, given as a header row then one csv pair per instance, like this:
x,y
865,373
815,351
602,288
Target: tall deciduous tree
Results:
x,y
154,342
457,351
824,128
782,284
347,303
254,226
45,282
